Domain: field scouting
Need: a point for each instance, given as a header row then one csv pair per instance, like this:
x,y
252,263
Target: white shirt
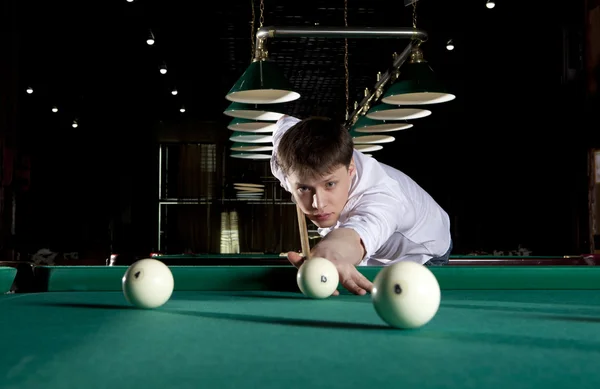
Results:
x,y
395,218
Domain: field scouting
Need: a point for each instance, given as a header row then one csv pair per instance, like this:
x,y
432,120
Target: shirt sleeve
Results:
x,y
281,126
376,216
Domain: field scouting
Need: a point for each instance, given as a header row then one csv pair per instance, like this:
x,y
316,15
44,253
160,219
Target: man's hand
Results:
x,y
295,259
350,277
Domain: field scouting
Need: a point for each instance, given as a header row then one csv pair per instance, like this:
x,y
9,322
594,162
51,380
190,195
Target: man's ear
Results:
x,y
352,168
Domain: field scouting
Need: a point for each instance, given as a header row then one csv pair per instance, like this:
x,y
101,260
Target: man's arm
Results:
x,y
344,248
376,217
369,226
342,245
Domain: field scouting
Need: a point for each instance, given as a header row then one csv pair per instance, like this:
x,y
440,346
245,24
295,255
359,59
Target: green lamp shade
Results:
x,y
245,125
366,125
251,156
367,148
361,138
249,147
244,137
262,83
394,112
416,85
247,189
242,185
262,112
242,195
249,196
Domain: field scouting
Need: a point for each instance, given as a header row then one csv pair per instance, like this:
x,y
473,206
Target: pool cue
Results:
x,y
303,232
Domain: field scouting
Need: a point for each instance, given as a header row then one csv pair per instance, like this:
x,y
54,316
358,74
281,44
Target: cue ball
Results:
x,y
317,278
406,295
148,283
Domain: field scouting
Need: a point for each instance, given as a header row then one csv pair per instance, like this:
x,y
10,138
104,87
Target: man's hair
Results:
x,y
314,147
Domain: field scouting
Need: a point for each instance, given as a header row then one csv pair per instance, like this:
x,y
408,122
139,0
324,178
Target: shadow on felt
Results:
x,y
83,305
282,321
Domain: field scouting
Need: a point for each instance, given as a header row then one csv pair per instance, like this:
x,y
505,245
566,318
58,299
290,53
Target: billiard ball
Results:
x,y
317,278
406,295
148,283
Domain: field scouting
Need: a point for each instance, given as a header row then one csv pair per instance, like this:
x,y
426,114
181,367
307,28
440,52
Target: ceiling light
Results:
x,y
366,125
262,83
245,125
395,112
367,148
416,85
265,112
248,147
250,156
361,138
244,137
150,40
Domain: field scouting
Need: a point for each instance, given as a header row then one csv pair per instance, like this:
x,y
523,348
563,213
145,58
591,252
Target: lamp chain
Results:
x,y
262,13
346,60
415,14
252,31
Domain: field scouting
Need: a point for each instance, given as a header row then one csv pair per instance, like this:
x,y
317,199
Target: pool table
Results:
x,y
249,326
245,259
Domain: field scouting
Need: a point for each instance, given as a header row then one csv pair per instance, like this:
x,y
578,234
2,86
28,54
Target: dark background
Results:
x,y
508,158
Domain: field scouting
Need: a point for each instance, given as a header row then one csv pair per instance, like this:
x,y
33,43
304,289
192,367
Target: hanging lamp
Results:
x,y
245,125
262,83
243,137
262,112
417,84
394,112
366,125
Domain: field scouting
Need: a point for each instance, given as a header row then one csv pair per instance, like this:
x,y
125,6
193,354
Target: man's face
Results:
x,y
322,198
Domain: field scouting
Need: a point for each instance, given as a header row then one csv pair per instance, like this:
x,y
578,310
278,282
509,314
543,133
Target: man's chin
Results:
x,y
324,223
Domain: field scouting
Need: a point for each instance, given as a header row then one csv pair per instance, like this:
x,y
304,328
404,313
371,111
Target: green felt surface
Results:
x,y
223,256
282,278
479,339
7,277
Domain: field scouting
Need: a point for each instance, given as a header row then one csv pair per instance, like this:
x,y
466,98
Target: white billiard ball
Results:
x,y
317,278
148,283
406,295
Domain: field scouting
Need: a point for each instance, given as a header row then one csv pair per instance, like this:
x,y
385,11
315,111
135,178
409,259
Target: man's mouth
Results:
x,y
322,216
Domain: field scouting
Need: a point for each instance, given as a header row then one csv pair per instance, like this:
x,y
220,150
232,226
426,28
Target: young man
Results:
x,y
368,213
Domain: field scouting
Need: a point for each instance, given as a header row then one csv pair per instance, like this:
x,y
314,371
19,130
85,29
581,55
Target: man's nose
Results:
x,y
318,201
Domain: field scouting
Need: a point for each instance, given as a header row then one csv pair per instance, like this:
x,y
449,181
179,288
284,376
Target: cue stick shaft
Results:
x,y
303,232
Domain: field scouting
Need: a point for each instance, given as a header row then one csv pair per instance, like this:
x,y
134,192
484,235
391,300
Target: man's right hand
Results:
x,y
350,277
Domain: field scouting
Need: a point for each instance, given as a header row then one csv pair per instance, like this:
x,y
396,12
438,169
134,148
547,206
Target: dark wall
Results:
x,y
507,158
